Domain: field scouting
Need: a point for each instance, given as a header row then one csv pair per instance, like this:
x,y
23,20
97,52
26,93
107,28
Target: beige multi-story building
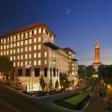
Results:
x,y
33,52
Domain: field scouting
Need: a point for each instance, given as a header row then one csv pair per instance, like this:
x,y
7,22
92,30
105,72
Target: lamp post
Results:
x,y
108,87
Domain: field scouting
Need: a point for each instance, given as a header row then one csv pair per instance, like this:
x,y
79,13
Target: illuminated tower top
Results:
x,y
97,44
97,52
97,62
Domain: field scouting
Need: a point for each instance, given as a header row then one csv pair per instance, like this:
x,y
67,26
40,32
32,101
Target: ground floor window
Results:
x,y
37,72
45,72
19,72
54,72
50,72
28,72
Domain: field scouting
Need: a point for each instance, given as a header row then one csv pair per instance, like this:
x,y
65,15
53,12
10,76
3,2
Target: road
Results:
x,y
12,100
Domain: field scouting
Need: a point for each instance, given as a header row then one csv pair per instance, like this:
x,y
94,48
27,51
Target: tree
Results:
x,y
89,70
42,82
105,73
81,71
6,65
56,84
64,82
50,85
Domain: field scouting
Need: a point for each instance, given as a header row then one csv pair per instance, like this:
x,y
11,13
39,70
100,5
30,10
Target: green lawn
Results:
x,y
76,99
89,89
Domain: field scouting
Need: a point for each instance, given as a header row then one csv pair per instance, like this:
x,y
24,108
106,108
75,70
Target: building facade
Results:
x,y
33,52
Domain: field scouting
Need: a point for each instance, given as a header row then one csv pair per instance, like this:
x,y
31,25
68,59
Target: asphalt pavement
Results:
x,y
12,100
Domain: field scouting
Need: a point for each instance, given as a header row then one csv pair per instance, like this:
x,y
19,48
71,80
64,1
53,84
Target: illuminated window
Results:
x,y
44,31
18,37
35,47
7,52
39,46
69,52
21,63
29,56
10,45
39,62
21,57
29,48
18,43
30,62
26,42
4,46
14,44
14,64
39,39
11,58
35,40
26,35
21,49
11,39
35,55
11,51
35,31
52,38
45,62
4,52
7,46
1,53
39,30
1,40
4,40
39,55
30,41
72,73
8,40
18,57
45,54
26,48
18,63
35,62
30,34
14,38
18,50
26,56
26,62
21,42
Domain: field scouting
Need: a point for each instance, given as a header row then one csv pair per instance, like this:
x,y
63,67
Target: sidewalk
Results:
x,y
97,103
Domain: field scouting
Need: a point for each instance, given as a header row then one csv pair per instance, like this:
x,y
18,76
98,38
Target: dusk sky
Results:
x,y
77,23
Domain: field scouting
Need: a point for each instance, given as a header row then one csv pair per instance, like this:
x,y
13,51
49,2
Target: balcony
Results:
x,y
51,45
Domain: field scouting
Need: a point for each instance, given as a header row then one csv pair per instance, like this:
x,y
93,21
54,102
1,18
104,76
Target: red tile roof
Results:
x,y
32,26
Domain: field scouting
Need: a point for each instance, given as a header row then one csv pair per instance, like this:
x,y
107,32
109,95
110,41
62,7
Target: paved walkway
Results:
x,y
97,104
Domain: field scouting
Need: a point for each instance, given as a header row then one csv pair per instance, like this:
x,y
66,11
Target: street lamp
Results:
x,y
108,87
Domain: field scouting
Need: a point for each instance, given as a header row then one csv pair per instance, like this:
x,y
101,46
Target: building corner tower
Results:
x,y
97,62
